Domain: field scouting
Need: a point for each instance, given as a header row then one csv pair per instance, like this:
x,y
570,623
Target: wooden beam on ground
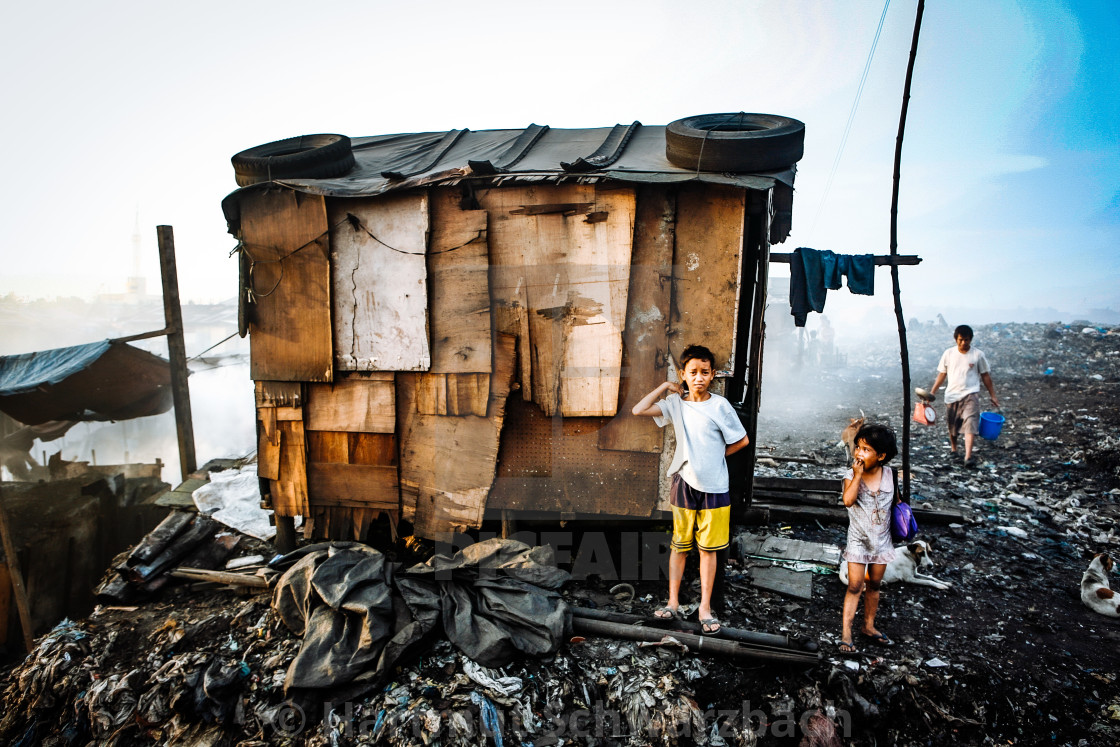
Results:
x,y
220,577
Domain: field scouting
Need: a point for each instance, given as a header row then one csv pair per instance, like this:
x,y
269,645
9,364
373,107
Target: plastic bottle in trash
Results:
x,y
1048,372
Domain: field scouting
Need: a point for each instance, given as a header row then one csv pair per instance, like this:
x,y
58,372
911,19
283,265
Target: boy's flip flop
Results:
x,y
665,612
878,639
710,626
848,648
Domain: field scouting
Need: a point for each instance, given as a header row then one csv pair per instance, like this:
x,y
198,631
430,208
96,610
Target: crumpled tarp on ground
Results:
x,y
359,614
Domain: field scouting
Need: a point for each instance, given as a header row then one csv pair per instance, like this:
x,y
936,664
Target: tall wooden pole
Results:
x,y
904,350
22,603
177,351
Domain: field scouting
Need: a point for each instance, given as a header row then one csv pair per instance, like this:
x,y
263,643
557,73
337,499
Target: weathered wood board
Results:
x,y
353,485
278,393
358,403
448,463
341,522
453,394
289,490
354,472
566,267
268,449
706,266
458,286
379,281
285,235
645,340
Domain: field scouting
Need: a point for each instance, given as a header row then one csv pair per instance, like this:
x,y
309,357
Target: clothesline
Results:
x,y
880,259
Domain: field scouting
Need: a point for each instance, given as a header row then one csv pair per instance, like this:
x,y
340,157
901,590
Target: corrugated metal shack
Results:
x,y
451,326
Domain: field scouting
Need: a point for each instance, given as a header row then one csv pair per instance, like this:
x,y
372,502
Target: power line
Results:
x,y
851,118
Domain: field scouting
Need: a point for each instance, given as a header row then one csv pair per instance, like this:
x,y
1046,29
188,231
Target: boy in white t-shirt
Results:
x,y
707,430
964,367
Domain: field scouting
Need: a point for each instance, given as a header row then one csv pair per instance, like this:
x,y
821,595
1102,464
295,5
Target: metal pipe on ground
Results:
x,y
695,643
747,636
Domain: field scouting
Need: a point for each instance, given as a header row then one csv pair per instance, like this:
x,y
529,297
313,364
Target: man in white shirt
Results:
x,y
964,367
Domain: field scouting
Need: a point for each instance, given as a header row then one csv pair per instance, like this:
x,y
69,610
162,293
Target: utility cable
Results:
x,y
851,118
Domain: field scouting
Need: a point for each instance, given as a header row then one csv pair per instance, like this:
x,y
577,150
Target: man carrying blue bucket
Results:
x,y
964,367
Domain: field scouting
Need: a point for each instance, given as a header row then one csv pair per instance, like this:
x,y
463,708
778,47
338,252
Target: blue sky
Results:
x,y
1010,175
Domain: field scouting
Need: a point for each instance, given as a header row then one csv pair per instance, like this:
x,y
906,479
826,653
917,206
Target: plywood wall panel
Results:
x,y
706,266
289,491
458,286
645,340
379,277
448,462
285,236
561,258
357,403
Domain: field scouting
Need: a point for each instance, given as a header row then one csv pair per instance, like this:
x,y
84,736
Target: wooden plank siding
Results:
x,y
458,286
379,279
278,393
706,266
645,340
452,394
561,262
358,403
383,367
289,489
448,463
285,235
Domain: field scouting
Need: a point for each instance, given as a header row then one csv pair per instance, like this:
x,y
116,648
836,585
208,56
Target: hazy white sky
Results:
x,y
1010,168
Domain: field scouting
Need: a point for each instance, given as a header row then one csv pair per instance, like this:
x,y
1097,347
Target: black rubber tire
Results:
x,y
735,142
307,156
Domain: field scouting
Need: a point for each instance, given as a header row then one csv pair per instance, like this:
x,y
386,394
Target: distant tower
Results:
x,y
137,285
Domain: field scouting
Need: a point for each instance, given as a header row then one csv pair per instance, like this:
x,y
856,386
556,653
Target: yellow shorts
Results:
x,y
712,527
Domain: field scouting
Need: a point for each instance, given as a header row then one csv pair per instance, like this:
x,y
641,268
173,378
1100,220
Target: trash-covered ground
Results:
x,y
1009,655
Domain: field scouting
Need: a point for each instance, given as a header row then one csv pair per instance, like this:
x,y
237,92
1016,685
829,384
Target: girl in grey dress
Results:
x,y
868,496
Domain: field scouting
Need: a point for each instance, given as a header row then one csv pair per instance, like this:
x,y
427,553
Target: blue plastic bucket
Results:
x,y
991,423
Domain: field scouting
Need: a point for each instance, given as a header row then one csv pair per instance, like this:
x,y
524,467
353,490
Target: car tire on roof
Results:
x,y
735,142
307,156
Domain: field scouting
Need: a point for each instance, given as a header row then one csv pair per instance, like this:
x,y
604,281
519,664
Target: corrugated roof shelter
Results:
x,y
447,326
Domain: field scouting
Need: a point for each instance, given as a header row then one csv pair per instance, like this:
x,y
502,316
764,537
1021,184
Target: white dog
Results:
x,y
1094,587
904,567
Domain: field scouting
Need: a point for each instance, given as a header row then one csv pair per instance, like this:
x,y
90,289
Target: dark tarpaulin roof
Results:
x,y
626,153
98,381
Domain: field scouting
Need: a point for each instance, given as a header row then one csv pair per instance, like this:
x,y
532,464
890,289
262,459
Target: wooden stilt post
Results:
x,y
903,349
177,352
22,604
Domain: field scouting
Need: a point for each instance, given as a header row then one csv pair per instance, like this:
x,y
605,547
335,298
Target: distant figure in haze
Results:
x,y
828,341
869,494
707,431
964,367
